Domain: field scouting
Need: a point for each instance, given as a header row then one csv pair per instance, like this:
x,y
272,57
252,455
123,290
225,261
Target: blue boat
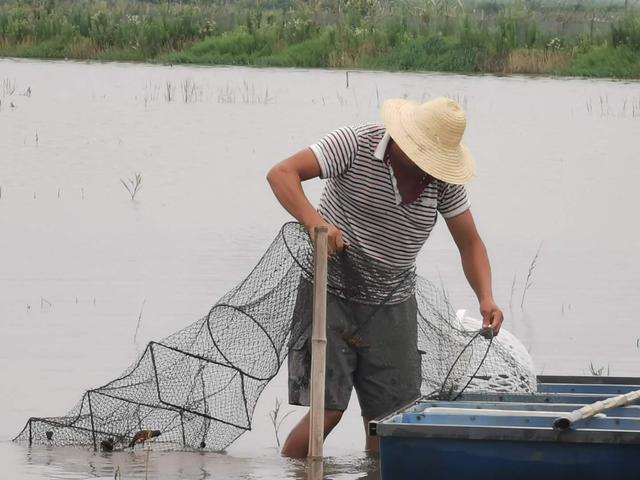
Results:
x,y
497,436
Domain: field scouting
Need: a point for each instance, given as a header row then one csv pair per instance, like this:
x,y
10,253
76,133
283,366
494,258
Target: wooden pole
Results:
x,y
315,467
93,427
318,344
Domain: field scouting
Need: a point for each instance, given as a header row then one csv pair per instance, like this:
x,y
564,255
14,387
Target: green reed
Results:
x,y
441,35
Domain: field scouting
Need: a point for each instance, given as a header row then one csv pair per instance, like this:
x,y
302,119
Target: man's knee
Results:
x,y
331,418
297,443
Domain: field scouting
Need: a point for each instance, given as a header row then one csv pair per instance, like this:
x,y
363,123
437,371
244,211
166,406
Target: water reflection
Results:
x,y
76,463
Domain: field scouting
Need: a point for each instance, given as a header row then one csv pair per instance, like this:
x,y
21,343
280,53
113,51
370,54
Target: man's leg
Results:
x,y
372,444
340,365
388,374
297,443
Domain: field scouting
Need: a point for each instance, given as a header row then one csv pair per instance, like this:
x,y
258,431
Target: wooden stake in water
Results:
x,y
318,344
315,468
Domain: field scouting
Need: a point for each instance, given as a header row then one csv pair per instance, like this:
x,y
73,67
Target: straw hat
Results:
x,y
431,136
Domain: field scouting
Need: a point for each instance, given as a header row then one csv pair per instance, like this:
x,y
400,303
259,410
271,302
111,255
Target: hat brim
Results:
x,y
452,165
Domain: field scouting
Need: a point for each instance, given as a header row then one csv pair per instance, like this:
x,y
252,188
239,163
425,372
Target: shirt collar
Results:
x,y
379,154
382,147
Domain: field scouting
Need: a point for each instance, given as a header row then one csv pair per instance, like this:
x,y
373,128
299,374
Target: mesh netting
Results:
x,y
198,387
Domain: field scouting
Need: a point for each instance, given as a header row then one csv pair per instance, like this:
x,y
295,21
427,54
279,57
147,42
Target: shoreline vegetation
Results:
x,y
478,36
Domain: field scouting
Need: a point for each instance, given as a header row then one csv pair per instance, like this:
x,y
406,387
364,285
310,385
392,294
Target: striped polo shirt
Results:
x,y
360,197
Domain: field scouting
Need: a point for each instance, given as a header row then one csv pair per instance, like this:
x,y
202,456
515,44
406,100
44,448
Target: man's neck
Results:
x,y
410,186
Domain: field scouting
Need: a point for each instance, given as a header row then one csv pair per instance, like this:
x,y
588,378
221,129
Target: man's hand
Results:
x,y
492,316
335,242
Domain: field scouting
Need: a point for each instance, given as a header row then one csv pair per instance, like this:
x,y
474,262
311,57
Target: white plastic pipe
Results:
x,y
489,412
565,422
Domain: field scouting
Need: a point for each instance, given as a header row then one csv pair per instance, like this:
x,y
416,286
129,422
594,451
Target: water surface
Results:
x,y
80,263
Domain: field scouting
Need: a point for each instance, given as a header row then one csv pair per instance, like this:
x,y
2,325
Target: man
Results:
x,y
385,186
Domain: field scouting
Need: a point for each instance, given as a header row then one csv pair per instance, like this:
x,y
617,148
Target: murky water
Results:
x,y
80,262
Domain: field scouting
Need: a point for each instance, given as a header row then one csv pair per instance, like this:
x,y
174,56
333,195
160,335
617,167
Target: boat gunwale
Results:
x,y
588,379
385,427
525,434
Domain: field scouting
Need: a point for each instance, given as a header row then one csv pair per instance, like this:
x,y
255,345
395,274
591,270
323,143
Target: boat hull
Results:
x,y
492,436
443,459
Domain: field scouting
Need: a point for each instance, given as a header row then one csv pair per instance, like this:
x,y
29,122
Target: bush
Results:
x,y
438,35
627,33
621,62
313,53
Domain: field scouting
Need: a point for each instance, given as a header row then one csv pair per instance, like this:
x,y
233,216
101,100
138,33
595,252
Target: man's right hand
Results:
x,y
335,242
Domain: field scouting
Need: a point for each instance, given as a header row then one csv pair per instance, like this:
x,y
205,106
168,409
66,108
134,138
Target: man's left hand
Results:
x,y
492,316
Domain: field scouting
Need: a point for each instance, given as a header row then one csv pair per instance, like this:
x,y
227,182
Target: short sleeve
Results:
x,y
336,152
453,200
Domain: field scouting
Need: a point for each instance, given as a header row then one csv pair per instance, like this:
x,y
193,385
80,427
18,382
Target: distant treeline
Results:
x,y
438,35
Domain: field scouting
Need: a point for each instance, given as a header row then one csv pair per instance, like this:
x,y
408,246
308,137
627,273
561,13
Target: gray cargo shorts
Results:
x,y
381,359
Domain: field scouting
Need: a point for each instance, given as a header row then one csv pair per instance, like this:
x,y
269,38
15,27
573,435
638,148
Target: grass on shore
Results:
x,y
509,38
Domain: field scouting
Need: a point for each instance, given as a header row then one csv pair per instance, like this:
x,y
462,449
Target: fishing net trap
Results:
x,y
197,388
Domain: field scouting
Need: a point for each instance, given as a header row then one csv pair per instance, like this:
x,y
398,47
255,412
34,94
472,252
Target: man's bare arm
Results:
x,y
476,266
285,179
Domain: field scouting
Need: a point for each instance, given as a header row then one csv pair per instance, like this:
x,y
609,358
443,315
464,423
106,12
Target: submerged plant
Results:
x,y
598,371
169,92
190,91
513,287
135,335
276,420
529,281
8,87
133,185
